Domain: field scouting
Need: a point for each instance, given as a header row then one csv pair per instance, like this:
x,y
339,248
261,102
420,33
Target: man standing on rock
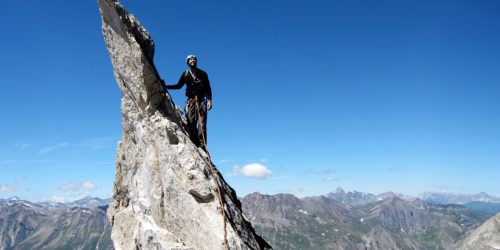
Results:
x,y
198,91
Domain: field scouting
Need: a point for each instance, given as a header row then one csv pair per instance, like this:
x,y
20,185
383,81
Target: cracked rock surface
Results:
x,y
164,193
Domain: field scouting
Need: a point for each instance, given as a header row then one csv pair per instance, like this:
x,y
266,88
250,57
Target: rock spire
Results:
x,y
164,194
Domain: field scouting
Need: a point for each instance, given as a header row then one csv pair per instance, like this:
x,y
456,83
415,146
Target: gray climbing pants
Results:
x,y
195,133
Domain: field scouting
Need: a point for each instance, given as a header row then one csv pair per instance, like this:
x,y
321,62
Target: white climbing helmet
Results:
x,y
190,56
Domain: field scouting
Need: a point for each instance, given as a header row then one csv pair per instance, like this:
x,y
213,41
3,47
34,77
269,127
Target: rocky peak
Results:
x,y
340,190
165,195
88,201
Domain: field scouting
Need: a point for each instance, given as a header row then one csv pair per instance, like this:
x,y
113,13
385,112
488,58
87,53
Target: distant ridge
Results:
x,y
454,198
351,198
488,207
87,202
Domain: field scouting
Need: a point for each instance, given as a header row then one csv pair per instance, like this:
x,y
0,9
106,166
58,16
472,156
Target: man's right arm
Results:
x,y
179,84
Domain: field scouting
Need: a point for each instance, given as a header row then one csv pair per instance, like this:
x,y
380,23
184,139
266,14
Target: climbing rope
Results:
x,y
211,168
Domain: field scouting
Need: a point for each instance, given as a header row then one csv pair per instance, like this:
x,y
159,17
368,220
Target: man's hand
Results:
x,y
209,104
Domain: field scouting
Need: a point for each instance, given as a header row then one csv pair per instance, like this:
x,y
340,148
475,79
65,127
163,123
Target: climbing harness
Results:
x,y
195,100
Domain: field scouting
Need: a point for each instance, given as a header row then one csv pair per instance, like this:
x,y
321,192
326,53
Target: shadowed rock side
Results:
x,y
164,194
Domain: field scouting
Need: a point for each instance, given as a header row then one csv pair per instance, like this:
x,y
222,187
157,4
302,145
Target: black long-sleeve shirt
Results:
x,y
197,86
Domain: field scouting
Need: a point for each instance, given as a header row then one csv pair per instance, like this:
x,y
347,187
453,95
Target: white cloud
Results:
x,y
393,169
54,147
8,188
254,170
68,186
74,188
88,185
329,179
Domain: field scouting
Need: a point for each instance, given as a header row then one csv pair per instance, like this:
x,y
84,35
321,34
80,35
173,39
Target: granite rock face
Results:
x,y
164,193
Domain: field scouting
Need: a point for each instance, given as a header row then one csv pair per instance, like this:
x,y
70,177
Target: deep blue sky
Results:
x,y
371,96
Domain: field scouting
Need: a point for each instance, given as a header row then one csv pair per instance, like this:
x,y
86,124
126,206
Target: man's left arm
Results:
x,y
208,92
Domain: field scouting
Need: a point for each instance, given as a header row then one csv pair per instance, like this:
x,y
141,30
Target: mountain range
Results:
x,y
482,201
87,202
394,222
338,220
26,225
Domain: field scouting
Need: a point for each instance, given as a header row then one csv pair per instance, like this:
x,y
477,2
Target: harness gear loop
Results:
x,y
195,100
